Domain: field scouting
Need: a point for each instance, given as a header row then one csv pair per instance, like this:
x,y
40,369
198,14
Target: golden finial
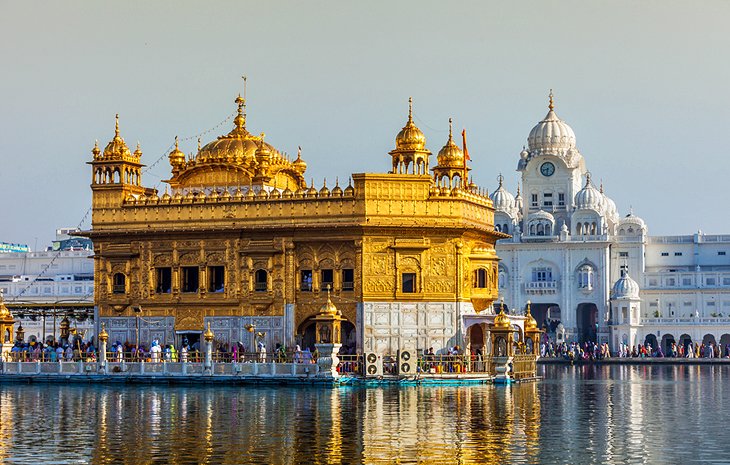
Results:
x,y
324,184
410,109
116,125
500,178
299,153
198,144
103,335
208,335
176,147
450,130
96,151
550,105
337,181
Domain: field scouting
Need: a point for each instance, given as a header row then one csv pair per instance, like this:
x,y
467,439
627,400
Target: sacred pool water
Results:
x,y
604,414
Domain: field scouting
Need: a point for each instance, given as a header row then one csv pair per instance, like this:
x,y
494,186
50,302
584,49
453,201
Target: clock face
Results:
x,y
547,169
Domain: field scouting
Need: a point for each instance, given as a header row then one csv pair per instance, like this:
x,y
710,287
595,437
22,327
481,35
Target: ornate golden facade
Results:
x,y
239,238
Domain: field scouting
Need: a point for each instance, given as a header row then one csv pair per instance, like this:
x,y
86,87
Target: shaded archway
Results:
x,y
306,337
546,315
587,317
652,341
709,339
476,338
685,340
725,340
667,341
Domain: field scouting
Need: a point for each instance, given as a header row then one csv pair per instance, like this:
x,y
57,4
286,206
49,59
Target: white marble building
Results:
x,y
599,273
34,283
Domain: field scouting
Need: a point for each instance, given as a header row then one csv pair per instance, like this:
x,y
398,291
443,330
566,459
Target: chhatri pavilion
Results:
x,y
238,239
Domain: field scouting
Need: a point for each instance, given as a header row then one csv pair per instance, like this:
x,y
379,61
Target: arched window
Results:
x,y
540,229
498,228
261,281
585,277
480,278
502,279
505,228
119,283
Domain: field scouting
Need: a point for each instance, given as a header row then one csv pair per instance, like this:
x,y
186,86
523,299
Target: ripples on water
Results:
x,y
606,414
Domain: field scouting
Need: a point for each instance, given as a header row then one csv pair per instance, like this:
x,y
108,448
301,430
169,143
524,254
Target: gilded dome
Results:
x,y
410,137
328,308
551,133
4,312
116,148
299,164
530,323
177,156
450,156
502,320
235,159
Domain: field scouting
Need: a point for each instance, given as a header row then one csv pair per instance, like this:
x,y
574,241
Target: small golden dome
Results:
x,y
328,308
275,193
450,156
176,157
214,194
324,191
4,312
262,194
287,194
225,195
138,151
96,151
337,190
238,193
311,192
116,148
530,323
103,335
166,196
349,190
154,198
299,164
208,334
502,320
177,196
410,137
250,195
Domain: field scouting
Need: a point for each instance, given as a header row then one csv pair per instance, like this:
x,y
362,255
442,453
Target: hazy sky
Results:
x,y
645,86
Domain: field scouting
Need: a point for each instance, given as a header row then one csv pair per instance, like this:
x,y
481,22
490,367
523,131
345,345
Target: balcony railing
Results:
x,y
541,287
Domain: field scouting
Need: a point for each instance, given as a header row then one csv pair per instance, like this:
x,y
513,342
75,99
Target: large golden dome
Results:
x,y
231,160
410,137
450,156
116,149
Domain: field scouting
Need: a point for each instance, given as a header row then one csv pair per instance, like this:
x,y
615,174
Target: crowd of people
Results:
x,y
35,351
594,351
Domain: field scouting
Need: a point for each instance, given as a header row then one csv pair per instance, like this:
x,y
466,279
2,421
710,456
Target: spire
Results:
x,y
240,119
550,105
588,178
518,189
96,151
451,139
176,146
410,109
337,181
500,178
601,188
116,125
198,144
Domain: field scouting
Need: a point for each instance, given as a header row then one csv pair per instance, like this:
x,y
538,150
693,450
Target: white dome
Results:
x,y
551,133
501,198
625,287
541,215
632,219
589,198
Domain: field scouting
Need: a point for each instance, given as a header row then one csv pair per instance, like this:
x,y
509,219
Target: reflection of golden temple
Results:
x,y
240,240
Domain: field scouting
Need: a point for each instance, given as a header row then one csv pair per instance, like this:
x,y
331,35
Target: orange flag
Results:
x,y
466,151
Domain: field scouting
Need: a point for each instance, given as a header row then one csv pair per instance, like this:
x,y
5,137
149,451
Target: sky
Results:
x,y
644,85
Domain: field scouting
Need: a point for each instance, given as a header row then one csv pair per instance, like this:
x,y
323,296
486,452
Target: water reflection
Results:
x,y
618,414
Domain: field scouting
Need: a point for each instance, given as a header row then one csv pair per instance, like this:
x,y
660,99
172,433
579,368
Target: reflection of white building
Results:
x,y
34,283
599,273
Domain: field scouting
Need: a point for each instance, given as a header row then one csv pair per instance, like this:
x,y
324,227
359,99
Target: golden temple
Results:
x,y
239,240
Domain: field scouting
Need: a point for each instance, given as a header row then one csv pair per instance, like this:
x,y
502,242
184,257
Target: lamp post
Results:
x,y
208,336
251,328
137,310
103,337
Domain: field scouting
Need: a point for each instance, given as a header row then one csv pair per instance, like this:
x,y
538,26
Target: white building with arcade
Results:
x,y
599,273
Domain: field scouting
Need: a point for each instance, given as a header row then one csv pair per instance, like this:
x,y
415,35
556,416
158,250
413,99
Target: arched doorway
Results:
x,y
651,340
667,341
587,318
546,315
725,340
709,339
476,338
685,340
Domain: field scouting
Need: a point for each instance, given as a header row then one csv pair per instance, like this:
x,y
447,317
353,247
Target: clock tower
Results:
x,y
552,171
